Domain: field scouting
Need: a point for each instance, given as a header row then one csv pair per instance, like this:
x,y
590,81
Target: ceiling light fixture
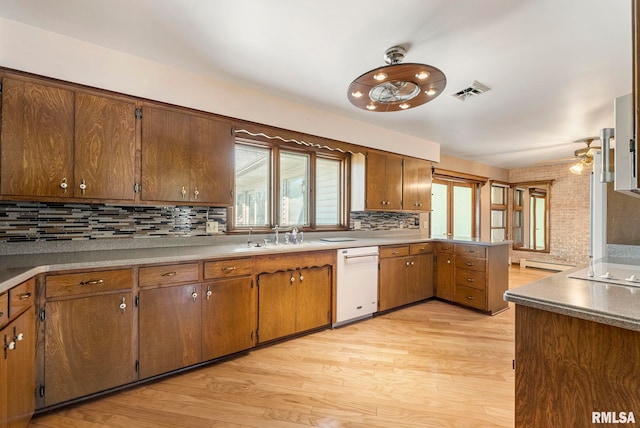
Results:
x,y
390,88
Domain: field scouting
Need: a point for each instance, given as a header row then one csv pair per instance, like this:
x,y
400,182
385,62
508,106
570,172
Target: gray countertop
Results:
x,y
16,268
593,300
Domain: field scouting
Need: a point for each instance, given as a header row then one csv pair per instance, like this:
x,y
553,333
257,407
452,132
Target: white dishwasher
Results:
x,y
357,284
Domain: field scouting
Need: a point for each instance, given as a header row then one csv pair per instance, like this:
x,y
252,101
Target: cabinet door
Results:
x,y
384,182
420,283
313,298
104,147
212,160
444,276
277,305
5,338
376,181
416,185
169,329
20,367
392,282
83,336
165,155
37,139
229,316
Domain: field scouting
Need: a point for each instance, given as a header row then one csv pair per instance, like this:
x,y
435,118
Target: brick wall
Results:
x,y
569,205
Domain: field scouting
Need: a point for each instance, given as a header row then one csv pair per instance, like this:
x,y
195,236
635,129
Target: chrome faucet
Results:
x,y
276,238
249,238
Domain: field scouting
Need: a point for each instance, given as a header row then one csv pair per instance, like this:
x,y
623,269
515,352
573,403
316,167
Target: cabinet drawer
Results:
x,y
427,247
168,274
226,268
72,284
443,247
470,297
471,263
471,251
21,297
4,309
394,251
471,278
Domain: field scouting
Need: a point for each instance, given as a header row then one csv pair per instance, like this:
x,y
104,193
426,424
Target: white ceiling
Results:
x,y
553,66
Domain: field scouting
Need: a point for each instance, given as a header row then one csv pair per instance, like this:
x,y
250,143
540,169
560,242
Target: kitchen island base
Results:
x,y
574,372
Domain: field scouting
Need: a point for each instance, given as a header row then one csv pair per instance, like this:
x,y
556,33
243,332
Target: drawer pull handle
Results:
x,y
395,252
468,263
92,282
1,314
229,268
469,297
470,251
24,296
470,280
174,273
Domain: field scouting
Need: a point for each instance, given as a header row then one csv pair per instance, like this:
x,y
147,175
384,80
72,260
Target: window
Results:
x,y
453,205
308,185
498,212
531,216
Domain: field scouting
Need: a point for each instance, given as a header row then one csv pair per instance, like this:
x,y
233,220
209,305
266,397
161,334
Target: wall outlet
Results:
x,y
357,224
212,227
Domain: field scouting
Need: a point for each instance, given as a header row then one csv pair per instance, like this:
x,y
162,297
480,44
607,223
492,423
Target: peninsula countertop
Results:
x,y
16,268
592,300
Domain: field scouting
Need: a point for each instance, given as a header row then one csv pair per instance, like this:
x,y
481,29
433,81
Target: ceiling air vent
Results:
x,y
474,90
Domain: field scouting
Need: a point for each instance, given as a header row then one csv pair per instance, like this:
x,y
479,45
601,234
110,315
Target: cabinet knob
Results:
x,y
11,346
83,186
406,263
448,261
194,295
413,263
195,193
64,185
18,337
301,277
469,297
183,192
209,293
123,305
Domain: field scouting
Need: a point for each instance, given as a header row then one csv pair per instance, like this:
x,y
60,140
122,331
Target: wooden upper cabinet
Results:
x,y
58,143
185,157
384,182
212,161
36,154
105,138
416,185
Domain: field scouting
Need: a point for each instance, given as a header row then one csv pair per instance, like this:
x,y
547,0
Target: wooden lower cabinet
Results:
x,y
405,275
293,301
444,271
567,369
170,323
88,345
17,371
473,275
229,313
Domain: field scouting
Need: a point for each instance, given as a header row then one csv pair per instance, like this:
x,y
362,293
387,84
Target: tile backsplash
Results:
x,y
37,222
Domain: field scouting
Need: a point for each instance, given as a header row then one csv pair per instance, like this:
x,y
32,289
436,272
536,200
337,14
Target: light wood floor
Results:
x,y
428,365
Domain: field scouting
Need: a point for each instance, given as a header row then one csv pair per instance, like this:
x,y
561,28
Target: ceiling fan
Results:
x,y
583,156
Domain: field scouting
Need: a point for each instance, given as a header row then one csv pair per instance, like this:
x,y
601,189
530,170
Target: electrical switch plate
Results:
x,y
357,224
212,227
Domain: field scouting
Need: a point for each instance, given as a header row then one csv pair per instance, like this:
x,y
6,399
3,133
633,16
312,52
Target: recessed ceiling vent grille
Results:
x,y
474,90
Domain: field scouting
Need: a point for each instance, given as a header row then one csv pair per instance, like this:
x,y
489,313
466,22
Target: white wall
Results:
x,y
34,50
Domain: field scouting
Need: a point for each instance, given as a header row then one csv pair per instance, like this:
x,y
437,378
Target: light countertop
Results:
x,y
612,304
16,268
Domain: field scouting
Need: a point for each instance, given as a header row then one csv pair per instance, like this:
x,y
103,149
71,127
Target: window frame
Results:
x,y
275,149
451,182
499,207
527,188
